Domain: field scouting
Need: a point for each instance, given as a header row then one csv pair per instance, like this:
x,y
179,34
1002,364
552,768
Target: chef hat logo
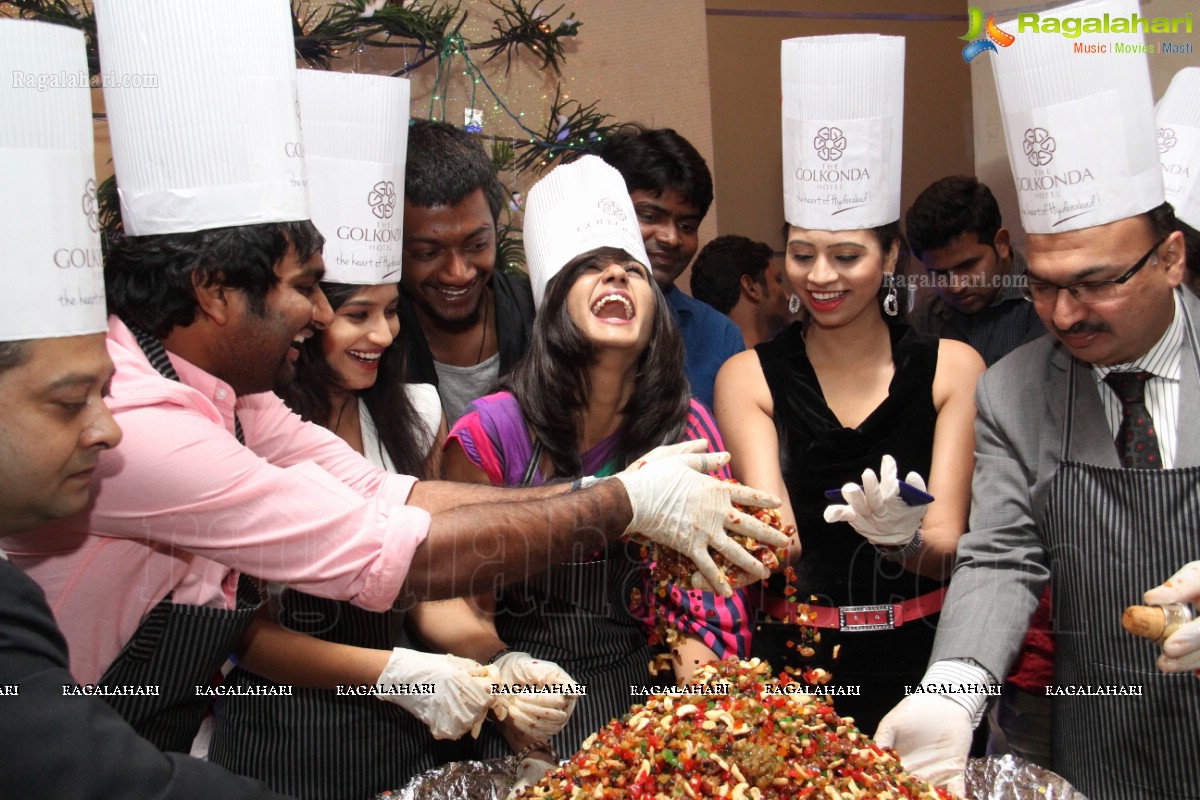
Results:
x,y
610,207
382,199
1166,139
829,143
91,206
1039,146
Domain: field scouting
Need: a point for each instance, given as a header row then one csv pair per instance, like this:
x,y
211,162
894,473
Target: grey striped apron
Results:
x,y
316,744
577,614
177,647
1111,534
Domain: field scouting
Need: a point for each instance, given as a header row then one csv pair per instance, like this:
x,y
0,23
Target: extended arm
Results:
x,y
958,371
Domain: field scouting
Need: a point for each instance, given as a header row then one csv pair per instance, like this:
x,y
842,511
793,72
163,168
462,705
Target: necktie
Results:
x,y
1137,443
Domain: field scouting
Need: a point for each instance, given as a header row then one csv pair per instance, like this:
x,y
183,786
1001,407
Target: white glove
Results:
x,y
677,506
462,690
529,772
876,511
1180,652
536,715
932,734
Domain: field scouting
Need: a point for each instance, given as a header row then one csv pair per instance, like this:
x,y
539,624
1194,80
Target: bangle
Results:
x,y
902,553
496,655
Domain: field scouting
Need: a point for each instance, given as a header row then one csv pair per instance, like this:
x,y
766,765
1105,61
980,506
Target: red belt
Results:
x,y
856,618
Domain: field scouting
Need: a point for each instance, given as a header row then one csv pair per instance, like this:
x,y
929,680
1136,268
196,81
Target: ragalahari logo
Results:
x,y
829,143
382,199
980,38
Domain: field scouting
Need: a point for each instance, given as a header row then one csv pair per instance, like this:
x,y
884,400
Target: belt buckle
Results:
x,y
867,618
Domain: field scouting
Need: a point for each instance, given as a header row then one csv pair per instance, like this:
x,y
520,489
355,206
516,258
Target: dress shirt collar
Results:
x,y
218,392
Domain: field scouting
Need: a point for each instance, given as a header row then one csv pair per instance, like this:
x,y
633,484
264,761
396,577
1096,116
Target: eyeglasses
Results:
x,y
1085,292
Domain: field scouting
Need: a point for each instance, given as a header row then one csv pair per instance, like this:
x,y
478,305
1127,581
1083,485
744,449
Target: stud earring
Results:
x,y
794,303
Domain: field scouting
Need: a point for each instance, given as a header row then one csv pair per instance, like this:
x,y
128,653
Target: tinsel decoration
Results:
x,y
432,30
571,130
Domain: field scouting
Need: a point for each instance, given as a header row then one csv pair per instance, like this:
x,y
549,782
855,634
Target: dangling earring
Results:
x,y
891,306
794,303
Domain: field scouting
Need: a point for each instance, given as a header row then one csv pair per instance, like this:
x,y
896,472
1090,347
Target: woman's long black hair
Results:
x,y
551,382
396,420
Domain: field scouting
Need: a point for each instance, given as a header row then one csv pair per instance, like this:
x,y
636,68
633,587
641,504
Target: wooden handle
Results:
x,y
1149,622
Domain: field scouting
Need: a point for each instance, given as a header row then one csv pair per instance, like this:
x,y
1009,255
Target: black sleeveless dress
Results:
x,y
837,565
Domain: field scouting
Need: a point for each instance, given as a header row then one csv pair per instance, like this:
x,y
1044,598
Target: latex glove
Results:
x,y
932,734
462,690
876,511
539,716
1180,652
529,772
677,506
681,448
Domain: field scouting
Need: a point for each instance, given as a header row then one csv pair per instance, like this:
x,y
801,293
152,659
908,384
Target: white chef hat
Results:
x,y
843,130
49,241
201,103
576,208
1177,117
1077,125
355,138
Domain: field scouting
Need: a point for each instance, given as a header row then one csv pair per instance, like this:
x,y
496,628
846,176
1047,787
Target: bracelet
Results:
x,y
525,751
584,482
529,748
902,553
496,655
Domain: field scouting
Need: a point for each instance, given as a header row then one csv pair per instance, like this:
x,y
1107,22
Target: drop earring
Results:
x,y
891,305
794,303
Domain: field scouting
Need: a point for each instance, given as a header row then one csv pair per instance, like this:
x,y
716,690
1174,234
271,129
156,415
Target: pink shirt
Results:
x,y
181,506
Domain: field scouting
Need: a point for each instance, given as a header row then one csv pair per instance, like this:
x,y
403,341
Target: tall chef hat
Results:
x,y
1080,143
843,126
1177,117
576,208
201,103
49,240
355,138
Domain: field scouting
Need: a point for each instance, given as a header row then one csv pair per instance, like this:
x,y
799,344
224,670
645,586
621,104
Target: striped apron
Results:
x,y
578,615
316,744
177,647
1111,534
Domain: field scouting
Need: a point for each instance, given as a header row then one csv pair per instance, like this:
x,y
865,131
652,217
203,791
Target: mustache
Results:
x,y
1084,327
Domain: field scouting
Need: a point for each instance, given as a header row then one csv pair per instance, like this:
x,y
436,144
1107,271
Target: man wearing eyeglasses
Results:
x,y
1086,467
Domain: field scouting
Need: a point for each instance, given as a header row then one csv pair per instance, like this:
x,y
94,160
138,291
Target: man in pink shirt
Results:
x,y
182,506
210,290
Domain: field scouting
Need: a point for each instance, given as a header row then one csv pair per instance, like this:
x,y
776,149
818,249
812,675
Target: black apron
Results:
x,y
1111,534
579,615
177,647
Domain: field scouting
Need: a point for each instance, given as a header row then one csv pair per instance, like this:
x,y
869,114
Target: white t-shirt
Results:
x,y
427,404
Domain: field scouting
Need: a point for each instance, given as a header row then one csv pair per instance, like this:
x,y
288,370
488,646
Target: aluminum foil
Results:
x,y
460,780
991,778
1012,778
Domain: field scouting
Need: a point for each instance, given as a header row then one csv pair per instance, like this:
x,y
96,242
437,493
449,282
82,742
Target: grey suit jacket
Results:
x,y
1001,569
